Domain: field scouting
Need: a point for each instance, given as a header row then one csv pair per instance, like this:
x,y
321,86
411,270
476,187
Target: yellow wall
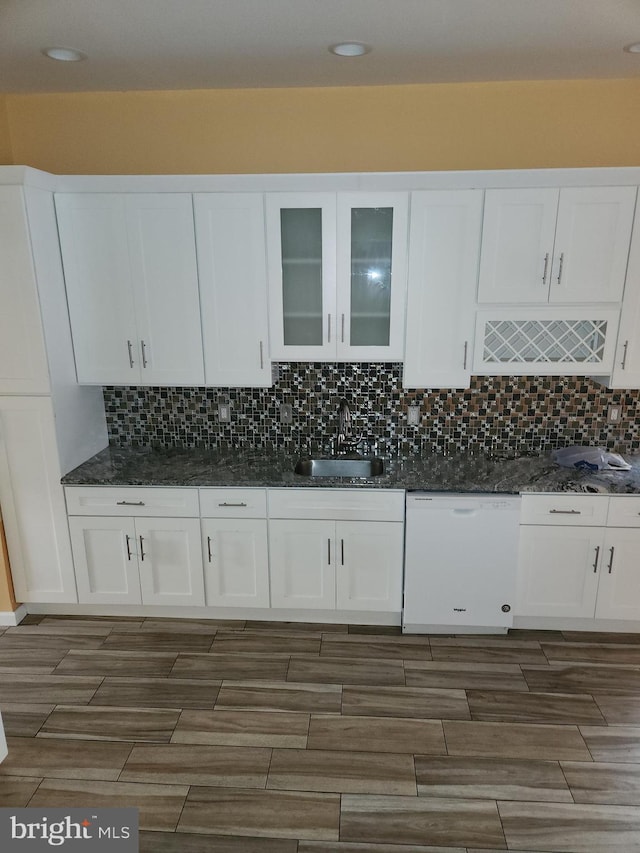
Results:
x,y
531,124
6,158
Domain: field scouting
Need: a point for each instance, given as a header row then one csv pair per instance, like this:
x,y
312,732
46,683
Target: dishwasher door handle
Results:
x,y
464,511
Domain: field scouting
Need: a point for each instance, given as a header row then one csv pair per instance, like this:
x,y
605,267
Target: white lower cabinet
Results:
x,y
327,557
137,560
135,545
236,569
581,560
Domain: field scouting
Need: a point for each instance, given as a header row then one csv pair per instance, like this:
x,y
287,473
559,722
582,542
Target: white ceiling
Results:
x,y
196,44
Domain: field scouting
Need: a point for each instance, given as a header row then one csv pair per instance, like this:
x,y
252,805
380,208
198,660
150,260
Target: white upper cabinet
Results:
x,y
337,275
626,370
230,238
23,361
444,250
132,287
561,246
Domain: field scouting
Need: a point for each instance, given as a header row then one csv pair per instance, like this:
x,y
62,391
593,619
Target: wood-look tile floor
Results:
x,y
251,737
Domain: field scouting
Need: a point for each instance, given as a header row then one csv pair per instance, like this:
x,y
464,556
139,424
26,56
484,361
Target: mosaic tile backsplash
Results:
x,y
500,414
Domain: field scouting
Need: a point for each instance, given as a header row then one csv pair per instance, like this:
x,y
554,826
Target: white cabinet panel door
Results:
x,y
372,230
592,244
236,562
165,286
444,250
97,271
104,553
23,362
369,565
619,589
230,235
558,570
301,264
170,561
302,560
517,245
626,370
32,502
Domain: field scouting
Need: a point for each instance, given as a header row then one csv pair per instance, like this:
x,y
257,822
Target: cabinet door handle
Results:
x,y
130,349
261,357
623,363
209,548
595,562
610,566
227,504
143,347
129,503
565,512
127,539
329,551
328,328
342,324
560,265
546,267
466,350
342,552
142,554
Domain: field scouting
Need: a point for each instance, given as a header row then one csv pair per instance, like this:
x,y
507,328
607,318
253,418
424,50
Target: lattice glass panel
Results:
x,y
544,341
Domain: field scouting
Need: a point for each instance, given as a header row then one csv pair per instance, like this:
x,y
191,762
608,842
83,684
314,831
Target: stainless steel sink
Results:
x,y
341,466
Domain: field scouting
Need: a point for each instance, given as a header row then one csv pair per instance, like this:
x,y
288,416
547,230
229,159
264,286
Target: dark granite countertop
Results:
x,y
462,472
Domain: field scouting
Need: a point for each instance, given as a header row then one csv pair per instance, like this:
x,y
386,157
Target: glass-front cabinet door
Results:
x,y
372,252
337,275
301,248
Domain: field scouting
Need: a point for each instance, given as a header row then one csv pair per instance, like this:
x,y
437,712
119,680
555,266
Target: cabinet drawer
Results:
x,y
565,509
624,511
233,503
132,500
342,504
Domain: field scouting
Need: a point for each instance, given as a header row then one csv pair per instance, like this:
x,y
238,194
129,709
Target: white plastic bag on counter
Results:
x,y
590,458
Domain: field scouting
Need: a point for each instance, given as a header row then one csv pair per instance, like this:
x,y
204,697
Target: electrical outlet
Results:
x,y
286,413
413,416
224,413
613,414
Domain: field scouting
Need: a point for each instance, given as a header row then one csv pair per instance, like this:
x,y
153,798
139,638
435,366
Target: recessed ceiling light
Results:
x,y
633,48
350,48
64,54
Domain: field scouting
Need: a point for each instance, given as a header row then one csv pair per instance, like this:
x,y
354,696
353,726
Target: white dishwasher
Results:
x,y
461,555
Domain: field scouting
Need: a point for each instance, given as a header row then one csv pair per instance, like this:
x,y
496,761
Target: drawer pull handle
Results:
x,y
560,265
261,357
142,554
342,551
209,549
565,512
610,566
595,562
329,551
128,541
464,360
228,504
623,363
129,503
546,266
143,348
130,350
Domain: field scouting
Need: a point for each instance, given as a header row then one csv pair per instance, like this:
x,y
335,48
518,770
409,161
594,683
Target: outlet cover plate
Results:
x,y
286,413
413,416
224,413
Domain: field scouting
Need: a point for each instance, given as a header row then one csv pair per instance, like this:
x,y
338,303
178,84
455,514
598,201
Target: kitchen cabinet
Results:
x,y
234,542
23,359
579,341
626,368
578,556
337,275
444,251
32,502
127,555
566,245
324,554
132,287
230,239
